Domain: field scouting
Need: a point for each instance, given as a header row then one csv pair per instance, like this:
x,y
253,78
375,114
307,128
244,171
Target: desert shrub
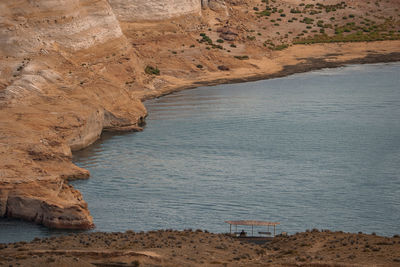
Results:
x,y
280,47
223,68
205,39
152,70
352,37
264,13
307,20
242,57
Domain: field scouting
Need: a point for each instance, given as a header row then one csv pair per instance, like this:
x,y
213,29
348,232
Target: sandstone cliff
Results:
x,y
57,94
139,10
71,69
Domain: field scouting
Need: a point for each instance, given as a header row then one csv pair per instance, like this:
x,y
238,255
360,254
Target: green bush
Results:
x,y
242,57
352,37
264,13
307,20
279,47
152,70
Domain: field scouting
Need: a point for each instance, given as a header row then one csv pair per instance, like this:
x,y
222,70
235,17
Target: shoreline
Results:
x,y
313,64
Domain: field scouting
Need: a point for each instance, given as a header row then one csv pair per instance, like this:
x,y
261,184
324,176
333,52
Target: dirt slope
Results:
x,y
197,248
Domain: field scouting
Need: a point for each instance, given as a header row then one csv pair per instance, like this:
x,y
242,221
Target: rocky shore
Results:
x,y
197,248
70,70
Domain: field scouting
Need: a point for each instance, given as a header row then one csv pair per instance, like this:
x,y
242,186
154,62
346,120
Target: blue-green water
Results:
x,y
312,150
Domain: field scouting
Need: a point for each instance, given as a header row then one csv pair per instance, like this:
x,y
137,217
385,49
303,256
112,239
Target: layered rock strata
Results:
x,y
139,10
61,63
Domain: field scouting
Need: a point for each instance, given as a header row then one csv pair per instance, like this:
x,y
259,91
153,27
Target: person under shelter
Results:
x,y
242,234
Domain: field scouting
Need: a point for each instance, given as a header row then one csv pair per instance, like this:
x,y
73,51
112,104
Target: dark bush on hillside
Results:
x,y
152,70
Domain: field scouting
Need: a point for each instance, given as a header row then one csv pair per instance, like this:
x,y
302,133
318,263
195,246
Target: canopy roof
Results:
x,y
256,223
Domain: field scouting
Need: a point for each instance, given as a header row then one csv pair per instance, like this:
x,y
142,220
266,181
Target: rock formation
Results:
x,y
59,88
139,10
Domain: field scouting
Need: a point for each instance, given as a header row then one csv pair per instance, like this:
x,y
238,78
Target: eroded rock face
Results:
x,y
52,203
74,24
137,10
63,72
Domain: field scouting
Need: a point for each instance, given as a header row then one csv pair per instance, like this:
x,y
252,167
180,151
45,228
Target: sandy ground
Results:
x,y
198,248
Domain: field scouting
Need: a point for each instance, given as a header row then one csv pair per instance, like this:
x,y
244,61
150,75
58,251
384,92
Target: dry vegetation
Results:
x,y
198,248
257,28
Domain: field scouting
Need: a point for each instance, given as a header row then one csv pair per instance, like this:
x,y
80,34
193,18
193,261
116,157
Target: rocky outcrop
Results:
x,y
138,10
216,5
51,202
73,24
227,33
64,66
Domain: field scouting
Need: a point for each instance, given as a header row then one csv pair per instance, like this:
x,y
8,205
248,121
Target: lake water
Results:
x,y
313,150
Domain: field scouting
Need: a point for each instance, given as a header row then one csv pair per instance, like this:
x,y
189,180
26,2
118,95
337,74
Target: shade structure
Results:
x,y
252,224
255,223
